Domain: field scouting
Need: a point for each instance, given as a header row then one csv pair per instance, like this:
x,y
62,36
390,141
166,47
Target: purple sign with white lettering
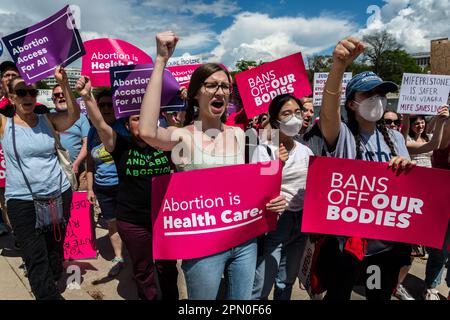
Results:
x,y
39,49
129,84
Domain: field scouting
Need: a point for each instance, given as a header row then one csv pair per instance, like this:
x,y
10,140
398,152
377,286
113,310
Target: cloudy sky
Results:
x,y
228,30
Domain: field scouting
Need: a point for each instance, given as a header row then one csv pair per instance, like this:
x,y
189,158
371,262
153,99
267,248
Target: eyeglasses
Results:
x,y
105,104
58,95
390,121
23,92
9,75
287,114
212,88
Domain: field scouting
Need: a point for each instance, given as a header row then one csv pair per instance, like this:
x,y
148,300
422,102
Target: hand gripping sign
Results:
x,y
203,212
367,200
102,54
258,86
38,49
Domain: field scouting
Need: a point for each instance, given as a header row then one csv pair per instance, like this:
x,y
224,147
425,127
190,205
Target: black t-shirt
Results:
x,y
136,167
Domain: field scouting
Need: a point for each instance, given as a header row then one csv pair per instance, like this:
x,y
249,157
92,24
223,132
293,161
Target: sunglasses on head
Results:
x,y
105,104
23,92
390,121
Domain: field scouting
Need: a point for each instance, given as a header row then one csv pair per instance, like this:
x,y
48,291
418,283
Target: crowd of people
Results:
x,y
102,150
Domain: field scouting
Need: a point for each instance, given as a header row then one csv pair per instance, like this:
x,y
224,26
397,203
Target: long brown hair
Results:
x,y
198,78
411,132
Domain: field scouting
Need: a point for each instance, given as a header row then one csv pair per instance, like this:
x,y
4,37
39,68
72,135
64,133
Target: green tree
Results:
x,y
395,63
378,43
42,85
244,65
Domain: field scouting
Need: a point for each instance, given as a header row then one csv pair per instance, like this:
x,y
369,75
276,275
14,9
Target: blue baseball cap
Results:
x,y
366,81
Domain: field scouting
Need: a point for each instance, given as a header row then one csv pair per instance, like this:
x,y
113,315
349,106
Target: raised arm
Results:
x,y
64,120
106,133
434,143
445,136
148,122
330,113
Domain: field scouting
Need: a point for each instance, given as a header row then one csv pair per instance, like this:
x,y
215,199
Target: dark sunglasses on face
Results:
x,y
105,104
58,95
390,121
23,92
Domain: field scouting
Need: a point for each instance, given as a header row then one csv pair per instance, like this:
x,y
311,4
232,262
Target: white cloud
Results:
x,y
413,23
218,8
255,36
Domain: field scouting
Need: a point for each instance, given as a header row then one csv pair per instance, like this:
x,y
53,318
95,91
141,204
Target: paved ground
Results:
x,y
96,285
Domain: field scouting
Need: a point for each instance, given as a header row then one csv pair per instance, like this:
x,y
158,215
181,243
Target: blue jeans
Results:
x,y
436,261
203,275
279,264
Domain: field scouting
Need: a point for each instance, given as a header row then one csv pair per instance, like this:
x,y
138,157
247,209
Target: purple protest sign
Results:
x,y
38,49
82,105
129,84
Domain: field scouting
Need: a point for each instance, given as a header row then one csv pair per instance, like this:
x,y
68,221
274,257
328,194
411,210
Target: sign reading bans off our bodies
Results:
x,y
423,93
38,49
222,210
258,86
365,199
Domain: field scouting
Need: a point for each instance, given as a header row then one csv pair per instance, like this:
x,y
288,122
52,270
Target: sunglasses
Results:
x,y
58,95
23,92
105,104
389,122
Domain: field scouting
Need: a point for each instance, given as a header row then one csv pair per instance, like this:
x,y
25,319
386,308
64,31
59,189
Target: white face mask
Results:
x,y
372,109
291,126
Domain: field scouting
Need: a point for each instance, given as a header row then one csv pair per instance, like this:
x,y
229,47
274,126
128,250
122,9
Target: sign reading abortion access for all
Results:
x,y
221,211
423,93
38,49
102,54
129,84
320,78
79,243
258,86
366,199
183,73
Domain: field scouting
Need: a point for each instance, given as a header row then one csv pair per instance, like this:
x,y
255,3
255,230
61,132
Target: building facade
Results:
x,y
73,74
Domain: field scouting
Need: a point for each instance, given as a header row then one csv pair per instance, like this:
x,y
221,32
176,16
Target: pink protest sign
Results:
x,y
183,73
79,243
2,168
365,199
258,86
101,54
203,212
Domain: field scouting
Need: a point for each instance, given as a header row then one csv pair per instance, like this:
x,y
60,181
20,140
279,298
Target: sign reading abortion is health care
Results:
x,y
183,73
423,93
258,86
367,200
102,54
220,211
129,84
38,49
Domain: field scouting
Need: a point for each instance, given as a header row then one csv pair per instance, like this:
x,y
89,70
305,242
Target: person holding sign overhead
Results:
x,y
205,143
38,193
136,163
364,137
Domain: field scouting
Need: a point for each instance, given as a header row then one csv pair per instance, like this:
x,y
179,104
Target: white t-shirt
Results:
x,y
294,173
